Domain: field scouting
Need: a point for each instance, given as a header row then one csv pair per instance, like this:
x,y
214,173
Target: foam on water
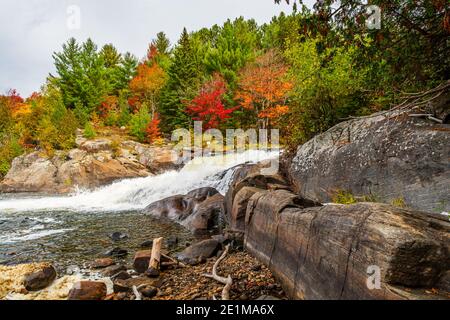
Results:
x,y
135,194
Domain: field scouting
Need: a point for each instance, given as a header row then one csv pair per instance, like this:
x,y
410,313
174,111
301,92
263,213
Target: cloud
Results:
x,y
31,30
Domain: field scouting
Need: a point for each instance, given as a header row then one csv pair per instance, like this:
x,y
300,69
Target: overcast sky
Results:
x,y
31,30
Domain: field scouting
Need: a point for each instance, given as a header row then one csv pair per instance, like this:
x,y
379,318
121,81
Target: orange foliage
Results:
x,y
153,132
264,87
109,103
146,85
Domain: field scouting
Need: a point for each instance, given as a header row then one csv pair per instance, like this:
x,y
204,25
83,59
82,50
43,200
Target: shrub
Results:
x,y
9,149
138,124
343,197
89,131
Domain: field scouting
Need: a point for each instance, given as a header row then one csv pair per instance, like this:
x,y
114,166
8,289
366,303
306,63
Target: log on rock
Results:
x,y
335,251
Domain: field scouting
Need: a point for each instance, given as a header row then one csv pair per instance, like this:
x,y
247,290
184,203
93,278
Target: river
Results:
x,y
74,230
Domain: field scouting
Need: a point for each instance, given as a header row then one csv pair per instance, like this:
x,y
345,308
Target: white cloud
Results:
x,y
31,30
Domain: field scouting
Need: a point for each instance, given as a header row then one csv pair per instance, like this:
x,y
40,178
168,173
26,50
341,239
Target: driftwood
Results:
x,y
136,293
226,281
155,259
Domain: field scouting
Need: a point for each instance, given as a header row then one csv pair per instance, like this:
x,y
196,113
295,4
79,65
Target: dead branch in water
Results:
x,y
226,281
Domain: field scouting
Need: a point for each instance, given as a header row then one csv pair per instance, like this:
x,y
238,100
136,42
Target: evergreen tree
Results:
x,y
182,86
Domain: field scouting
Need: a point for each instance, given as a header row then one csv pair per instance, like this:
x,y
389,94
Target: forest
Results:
x,y
302,73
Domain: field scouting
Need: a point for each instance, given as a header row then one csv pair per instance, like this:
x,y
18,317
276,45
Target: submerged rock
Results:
x,y
102,263
116,252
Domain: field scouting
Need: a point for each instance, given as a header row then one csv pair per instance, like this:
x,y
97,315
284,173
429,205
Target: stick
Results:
x,y
155,259
226,281
136,293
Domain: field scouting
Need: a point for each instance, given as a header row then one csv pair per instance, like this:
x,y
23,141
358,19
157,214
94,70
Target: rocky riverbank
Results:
x,y
91,164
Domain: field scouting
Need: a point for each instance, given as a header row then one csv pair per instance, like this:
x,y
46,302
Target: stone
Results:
x,y
102,263
149,291
142,259
201,210
40,279
127,285
205,249
122,275
152,273
147,244
207,216
116,252
113,270
88,290
389,157
117,236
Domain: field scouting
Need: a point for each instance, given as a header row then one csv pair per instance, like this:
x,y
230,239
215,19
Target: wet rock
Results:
x,y
122,275
88,290
203,249
152,273
201,210
171,242
102,263
117,236
113,270
149,291
116,252
40,279
147,244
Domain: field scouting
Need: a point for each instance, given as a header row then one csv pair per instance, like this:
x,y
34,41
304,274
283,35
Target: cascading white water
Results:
x,y
135,194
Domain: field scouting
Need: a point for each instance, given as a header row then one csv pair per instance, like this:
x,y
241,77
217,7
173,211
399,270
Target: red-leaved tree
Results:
x,y
153,132
208,106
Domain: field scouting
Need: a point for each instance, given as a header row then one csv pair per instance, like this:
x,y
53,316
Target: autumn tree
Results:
x,y
153,131
264,87
150,79
208,105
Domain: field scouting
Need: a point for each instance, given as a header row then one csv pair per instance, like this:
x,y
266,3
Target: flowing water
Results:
x,y
74,229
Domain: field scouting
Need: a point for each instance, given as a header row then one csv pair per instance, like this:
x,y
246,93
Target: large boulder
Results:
x,y
331,252
201,210
390,157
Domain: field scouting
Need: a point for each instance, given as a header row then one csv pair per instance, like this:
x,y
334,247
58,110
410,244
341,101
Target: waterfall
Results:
x,y
136,194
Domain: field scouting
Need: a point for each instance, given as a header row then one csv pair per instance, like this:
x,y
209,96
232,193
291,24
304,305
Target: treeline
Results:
x,y
301,73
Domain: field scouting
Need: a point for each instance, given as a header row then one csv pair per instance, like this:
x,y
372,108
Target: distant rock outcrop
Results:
x,y
388,157
92,164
